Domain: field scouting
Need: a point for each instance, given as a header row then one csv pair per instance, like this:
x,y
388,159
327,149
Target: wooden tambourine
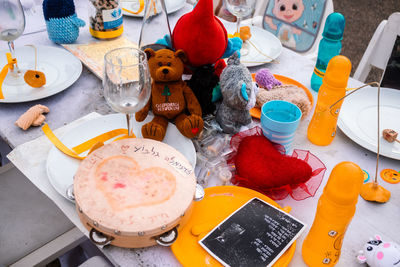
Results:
x,y
135,193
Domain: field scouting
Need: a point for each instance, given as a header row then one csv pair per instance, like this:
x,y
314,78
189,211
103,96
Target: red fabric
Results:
x,y
219,67
201,35
261,167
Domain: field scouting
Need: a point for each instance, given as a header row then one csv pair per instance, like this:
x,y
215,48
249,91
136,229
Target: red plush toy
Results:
x,y
260,166
201,35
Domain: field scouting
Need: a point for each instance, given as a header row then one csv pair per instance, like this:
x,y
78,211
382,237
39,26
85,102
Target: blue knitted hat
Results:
x,y
61,21
58,8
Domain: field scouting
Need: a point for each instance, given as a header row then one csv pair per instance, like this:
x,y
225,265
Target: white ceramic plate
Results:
x,y
358,119
265,41
61,168
61,68
133,5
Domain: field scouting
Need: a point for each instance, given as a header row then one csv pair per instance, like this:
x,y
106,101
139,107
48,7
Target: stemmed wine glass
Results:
x,y
240,9
126,81
155,19
12,25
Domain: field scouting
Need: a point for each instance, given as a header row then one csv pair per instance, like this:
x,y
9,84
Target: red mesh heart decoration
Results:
x,y
261,167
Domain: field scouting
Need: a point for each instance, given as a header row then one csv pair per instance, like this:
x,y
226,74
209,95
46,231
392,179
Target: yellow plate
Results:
x,y
256,112
218,203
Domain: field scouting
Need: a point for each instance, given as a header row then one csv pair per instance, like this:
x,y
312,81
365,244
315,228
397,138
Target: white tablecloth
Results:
x,y
30,158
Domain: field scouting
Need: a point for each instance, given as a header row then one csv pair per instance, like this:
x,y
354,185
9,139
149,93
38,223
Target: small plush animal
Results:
x,y
377,253
236,89
266,80
202,83
171,99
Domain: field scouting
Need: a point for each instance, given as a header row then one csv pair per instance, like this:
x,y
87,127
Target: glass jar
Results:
x,y
105,19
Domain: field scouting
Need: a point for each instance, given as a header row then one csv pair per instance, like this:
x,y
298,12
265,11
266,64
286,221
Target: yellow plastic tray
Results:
x,y
218,203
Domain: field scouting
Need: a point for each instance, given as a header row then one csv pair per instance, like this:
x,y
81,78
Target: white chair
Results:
x,y
380,47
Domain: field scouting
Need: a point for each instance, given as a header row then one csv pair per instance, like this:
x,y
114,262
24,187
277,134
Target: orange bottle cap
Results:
x,y
344,184
338,72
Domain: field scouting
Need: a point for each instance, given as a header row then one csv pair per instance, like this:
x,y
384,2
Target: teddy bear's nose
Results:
x,y
165,71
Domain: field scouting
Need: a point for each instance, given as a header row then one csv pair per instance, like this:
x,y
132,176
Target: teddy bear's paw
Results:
x,y
192,126
153,131
140,116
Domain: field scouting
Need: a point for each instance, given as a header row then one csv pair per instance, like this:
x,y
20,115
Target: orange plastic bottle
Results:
x,y
336,208
322,128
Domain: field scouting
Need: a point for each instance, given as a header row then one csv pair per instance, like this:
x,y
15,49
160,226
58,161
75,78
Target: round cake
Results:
x,y
134,190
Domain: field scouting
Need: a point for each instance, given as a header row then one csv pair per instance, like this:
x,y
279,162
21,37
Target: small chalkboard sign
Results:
x,y
256,234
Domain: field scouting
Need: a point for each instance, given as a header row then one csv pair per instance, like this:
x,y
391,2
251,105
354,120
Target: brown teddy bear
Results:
x,y
171,98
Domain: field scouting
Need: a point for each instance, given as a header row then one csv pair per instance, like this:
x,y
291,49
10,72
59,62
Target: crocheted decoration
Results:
x,y
58,8
35,78
265,79
61,21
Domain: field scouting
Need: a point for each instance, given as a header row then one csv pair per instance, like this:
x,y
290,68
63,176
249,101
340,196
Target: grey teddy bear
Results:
x,y
236,89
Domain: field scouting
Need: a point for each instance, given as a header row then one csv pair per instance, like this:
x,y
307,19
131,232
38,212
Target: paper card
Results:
x,y
256,234
92,54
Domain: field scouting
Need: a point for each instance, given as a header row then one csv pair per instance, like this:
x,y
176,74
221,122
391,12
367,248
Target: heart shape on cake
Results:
x,y
260,166
125,185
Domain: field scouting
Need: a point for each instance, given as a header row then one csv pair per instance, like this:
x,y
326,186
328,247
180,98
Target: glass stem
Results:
x,y
130,124
238,25
11,47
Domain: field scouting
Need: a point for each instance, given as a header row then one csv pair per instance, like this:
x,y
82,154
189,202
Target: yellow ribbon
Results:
x,y
141,7
10,65
91,144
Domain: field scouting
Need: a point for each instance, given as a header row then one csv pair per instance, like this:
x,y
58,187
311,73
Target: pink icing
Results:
x,y
379,255
136,186
119,185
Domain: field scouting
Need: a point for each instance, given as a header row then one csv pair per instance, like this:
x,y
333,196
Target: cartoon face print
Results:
x,y
288,10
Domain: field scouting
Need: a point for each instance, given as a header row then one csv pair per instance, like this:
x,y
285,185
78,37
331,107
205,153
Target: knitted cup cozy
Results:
x,y
61,21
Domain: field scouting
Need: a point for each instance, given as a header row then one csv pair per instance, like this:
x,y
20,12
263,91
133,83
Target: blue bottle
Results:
x,y
329,46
